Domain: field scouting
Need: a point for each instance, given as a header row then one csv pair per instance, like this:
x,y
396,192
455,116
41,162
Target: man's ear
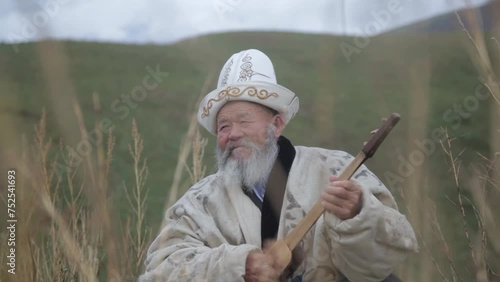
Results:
x,y
279,123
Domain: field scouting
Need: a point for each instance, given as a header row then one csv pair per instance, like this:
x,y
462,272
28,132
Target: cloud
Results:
x,y
165,21
98,20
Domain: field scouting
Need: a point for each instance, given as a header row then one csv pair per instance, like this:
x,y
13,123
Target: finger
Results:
x,y
333,178
342,183
342,196
337,191
337,201
346,207
346,184
340,212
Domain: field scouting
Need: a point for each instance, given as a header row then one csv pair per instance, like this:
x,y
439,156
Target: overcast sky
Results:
x,y
167,21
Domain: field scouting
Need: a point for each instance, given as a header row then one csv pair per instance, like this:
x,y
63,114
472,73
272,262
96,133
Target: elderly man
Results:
x,y
220,229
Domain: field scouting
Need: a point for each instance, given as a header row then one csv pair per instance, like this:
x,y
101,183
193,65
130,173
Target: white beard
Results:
x,y
254,170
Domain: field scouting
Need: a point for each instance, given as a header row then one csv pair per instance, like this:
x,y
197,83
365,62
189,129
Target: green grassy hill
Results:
x,y
420,76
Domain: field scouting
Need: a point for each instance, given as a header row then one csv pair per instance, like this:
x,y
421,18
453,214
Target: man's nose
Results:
x,y
235,133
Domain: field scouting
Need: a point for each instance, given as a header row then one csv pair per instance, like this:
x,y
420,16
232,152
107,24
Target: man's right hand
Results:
x,y
259,267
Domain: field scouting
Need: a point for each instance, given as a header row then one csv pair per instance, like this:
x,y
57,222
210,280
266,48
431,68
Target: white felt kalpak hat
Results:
x,y
247,76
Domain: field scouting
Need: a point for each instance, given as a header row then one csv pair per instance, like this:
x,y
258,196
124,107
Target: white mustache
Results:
x,y
241,144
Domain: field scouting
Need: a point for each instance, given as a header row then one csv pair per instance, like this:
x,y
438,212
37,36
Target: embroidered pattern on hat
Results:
x,y
246,69
226,73
229,92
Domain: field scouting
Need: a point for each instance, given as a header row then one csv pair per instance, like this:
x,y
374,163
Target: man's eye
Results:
x,y
222,127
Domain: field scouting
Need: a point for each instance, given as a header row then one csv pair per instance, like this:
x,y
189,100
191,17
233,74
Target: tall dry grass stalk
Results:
x,y
136,235
484,186
54,252
192,143
66,232
477,253
477,191
70,230
417,184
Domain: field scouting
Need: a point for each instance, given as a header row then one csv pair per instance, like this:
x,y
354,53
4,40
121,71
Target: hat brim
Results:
x,y
271,95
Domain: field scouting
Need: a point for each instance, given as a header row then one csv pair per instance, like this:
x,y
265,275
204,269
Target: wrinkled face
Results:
x,y
240,120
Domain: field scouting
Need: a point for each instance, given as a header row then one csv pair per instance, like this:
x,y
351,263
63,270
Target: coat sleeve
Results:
x,y
181,251
370,245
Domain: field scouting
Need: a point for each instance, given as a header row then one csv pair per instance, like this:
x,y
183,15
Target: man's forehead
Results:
x,y
239,109
234,114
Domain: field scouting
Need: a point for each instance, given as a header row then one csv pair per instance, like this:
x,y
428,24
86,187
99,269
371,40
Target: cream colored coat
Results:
x,y
211,229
